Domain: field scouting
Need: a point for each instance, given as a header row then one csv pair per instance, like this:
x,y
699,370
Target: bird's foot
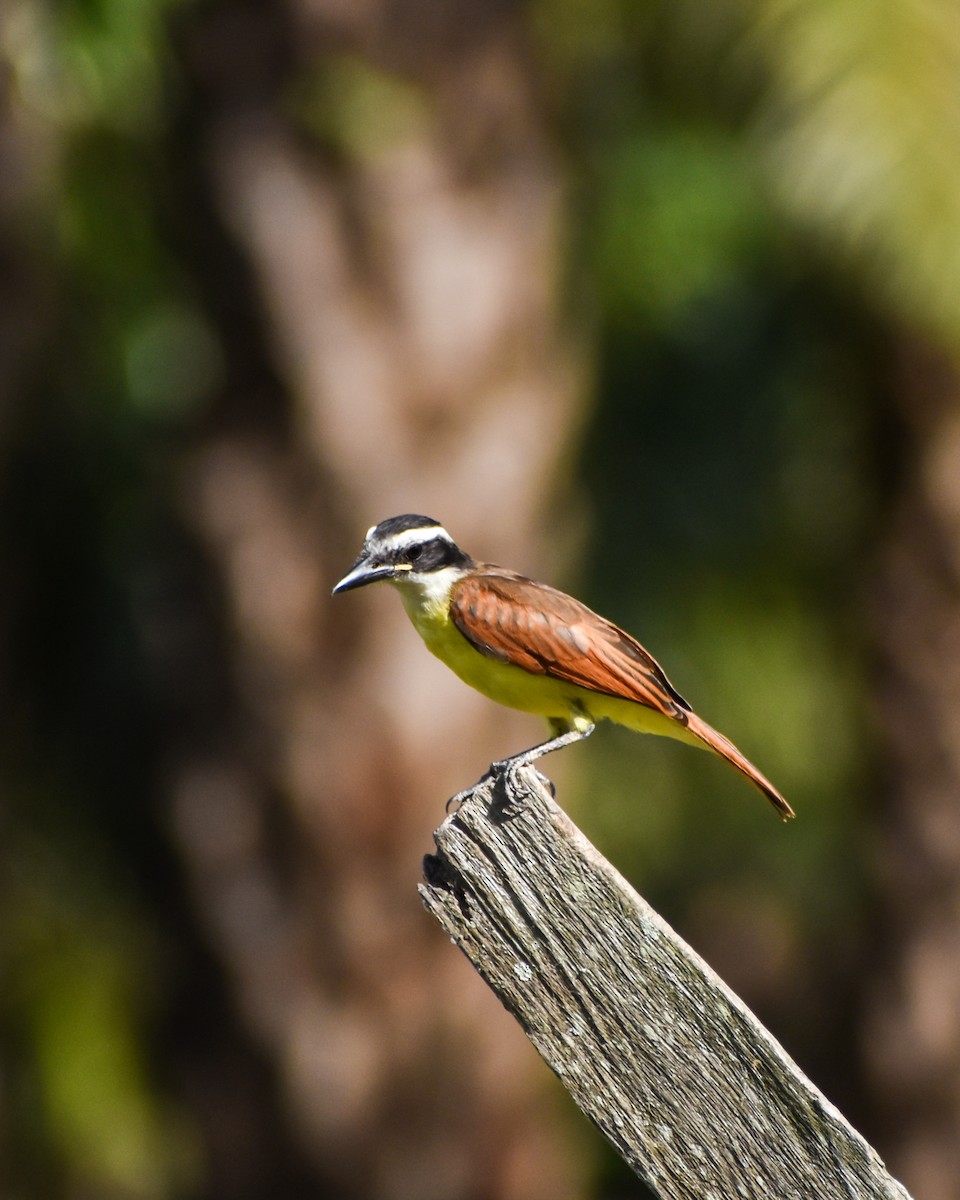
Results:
x,y
512,788
508,782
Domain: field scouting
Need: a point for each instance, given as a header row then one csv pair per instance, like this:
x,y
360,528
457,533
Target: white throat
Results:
x,y
427,593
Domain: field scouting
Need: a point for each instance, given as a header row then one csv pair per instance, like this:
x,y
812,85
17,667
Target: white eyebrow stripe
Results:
x,y
408,537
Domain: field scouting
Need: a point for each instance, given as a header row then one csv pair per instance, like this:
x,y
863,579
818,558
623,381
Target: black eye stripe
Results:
x,y
434,549
433,554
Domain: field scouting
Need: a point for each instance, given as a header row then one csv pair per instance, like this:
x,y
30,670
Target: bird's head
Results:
x,y
406,550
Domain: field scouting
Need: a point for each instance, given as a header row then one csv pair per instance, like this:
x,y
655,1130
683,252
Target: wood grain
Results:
x,y
694,1093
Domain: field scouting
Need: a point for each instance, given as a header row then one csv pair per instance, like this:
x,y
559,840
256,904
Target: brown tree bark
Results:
x,y
913,1034
406,286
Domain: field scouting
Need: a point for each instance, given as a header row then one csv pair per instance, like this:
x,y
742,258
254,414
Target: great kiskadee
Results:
x,y
531,647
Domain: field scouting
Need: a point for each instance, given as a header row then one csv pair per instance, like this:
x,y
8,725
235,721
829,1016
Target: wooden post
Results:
x,y
694,1093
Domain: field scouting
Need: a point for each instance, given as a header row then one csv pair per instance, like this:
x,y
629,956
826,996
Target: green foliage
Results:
x,y
356,108
129,354
92,63
78,959
702,225
861,131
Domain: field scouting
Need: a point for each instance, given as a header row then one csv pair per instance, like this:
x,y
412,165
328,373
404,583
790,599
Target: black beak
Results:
x,y
360,574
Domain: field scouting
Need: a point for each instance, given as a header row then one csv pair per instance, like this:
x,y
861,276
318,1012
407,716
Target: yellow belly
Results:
x,y
512,686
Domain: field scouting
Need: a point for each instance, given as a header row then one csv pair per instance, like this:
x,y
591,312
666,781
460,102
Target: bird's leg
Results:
x,y
557,742
564,735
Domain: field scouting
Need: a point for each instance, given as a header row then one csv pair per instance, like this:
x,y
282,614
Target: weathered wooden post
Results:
x,y
695,1094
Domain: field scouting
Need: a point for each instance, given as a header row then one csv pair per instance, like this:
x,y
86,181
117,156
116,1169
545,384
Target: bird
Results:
x,y
530,646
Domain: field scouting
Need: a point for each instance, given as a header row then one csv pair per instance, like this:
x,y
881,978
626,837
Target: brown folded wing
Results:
x,y
547,632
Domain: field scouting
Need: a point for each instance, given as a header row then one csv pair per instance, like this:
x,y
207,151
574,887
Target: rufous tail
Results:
x,y
726,749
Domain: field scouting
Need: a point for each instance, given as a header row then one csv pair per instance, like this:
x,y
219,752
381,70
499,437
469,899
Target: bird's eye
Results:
x,y
416,552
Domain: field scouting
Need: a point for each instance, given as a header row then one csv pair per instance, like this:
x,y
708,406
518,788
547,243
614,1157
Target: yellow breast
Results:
x,y
503,682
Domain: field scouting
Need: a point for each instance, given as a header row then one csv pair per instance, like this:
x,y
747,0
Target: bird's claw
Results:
x,y
547,783
505,775
515,790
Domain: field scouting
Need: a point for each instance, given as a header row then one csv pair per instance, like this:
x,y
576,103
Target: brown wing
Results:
x,y
547,632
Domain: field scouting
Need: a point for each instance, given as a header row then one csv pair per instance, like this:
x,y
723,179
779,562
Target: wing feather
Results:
x,y
535,627
547,632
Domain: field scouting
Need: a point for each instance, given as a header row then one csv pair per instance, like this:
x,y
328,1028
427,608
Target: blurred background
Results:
x,y
660,302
